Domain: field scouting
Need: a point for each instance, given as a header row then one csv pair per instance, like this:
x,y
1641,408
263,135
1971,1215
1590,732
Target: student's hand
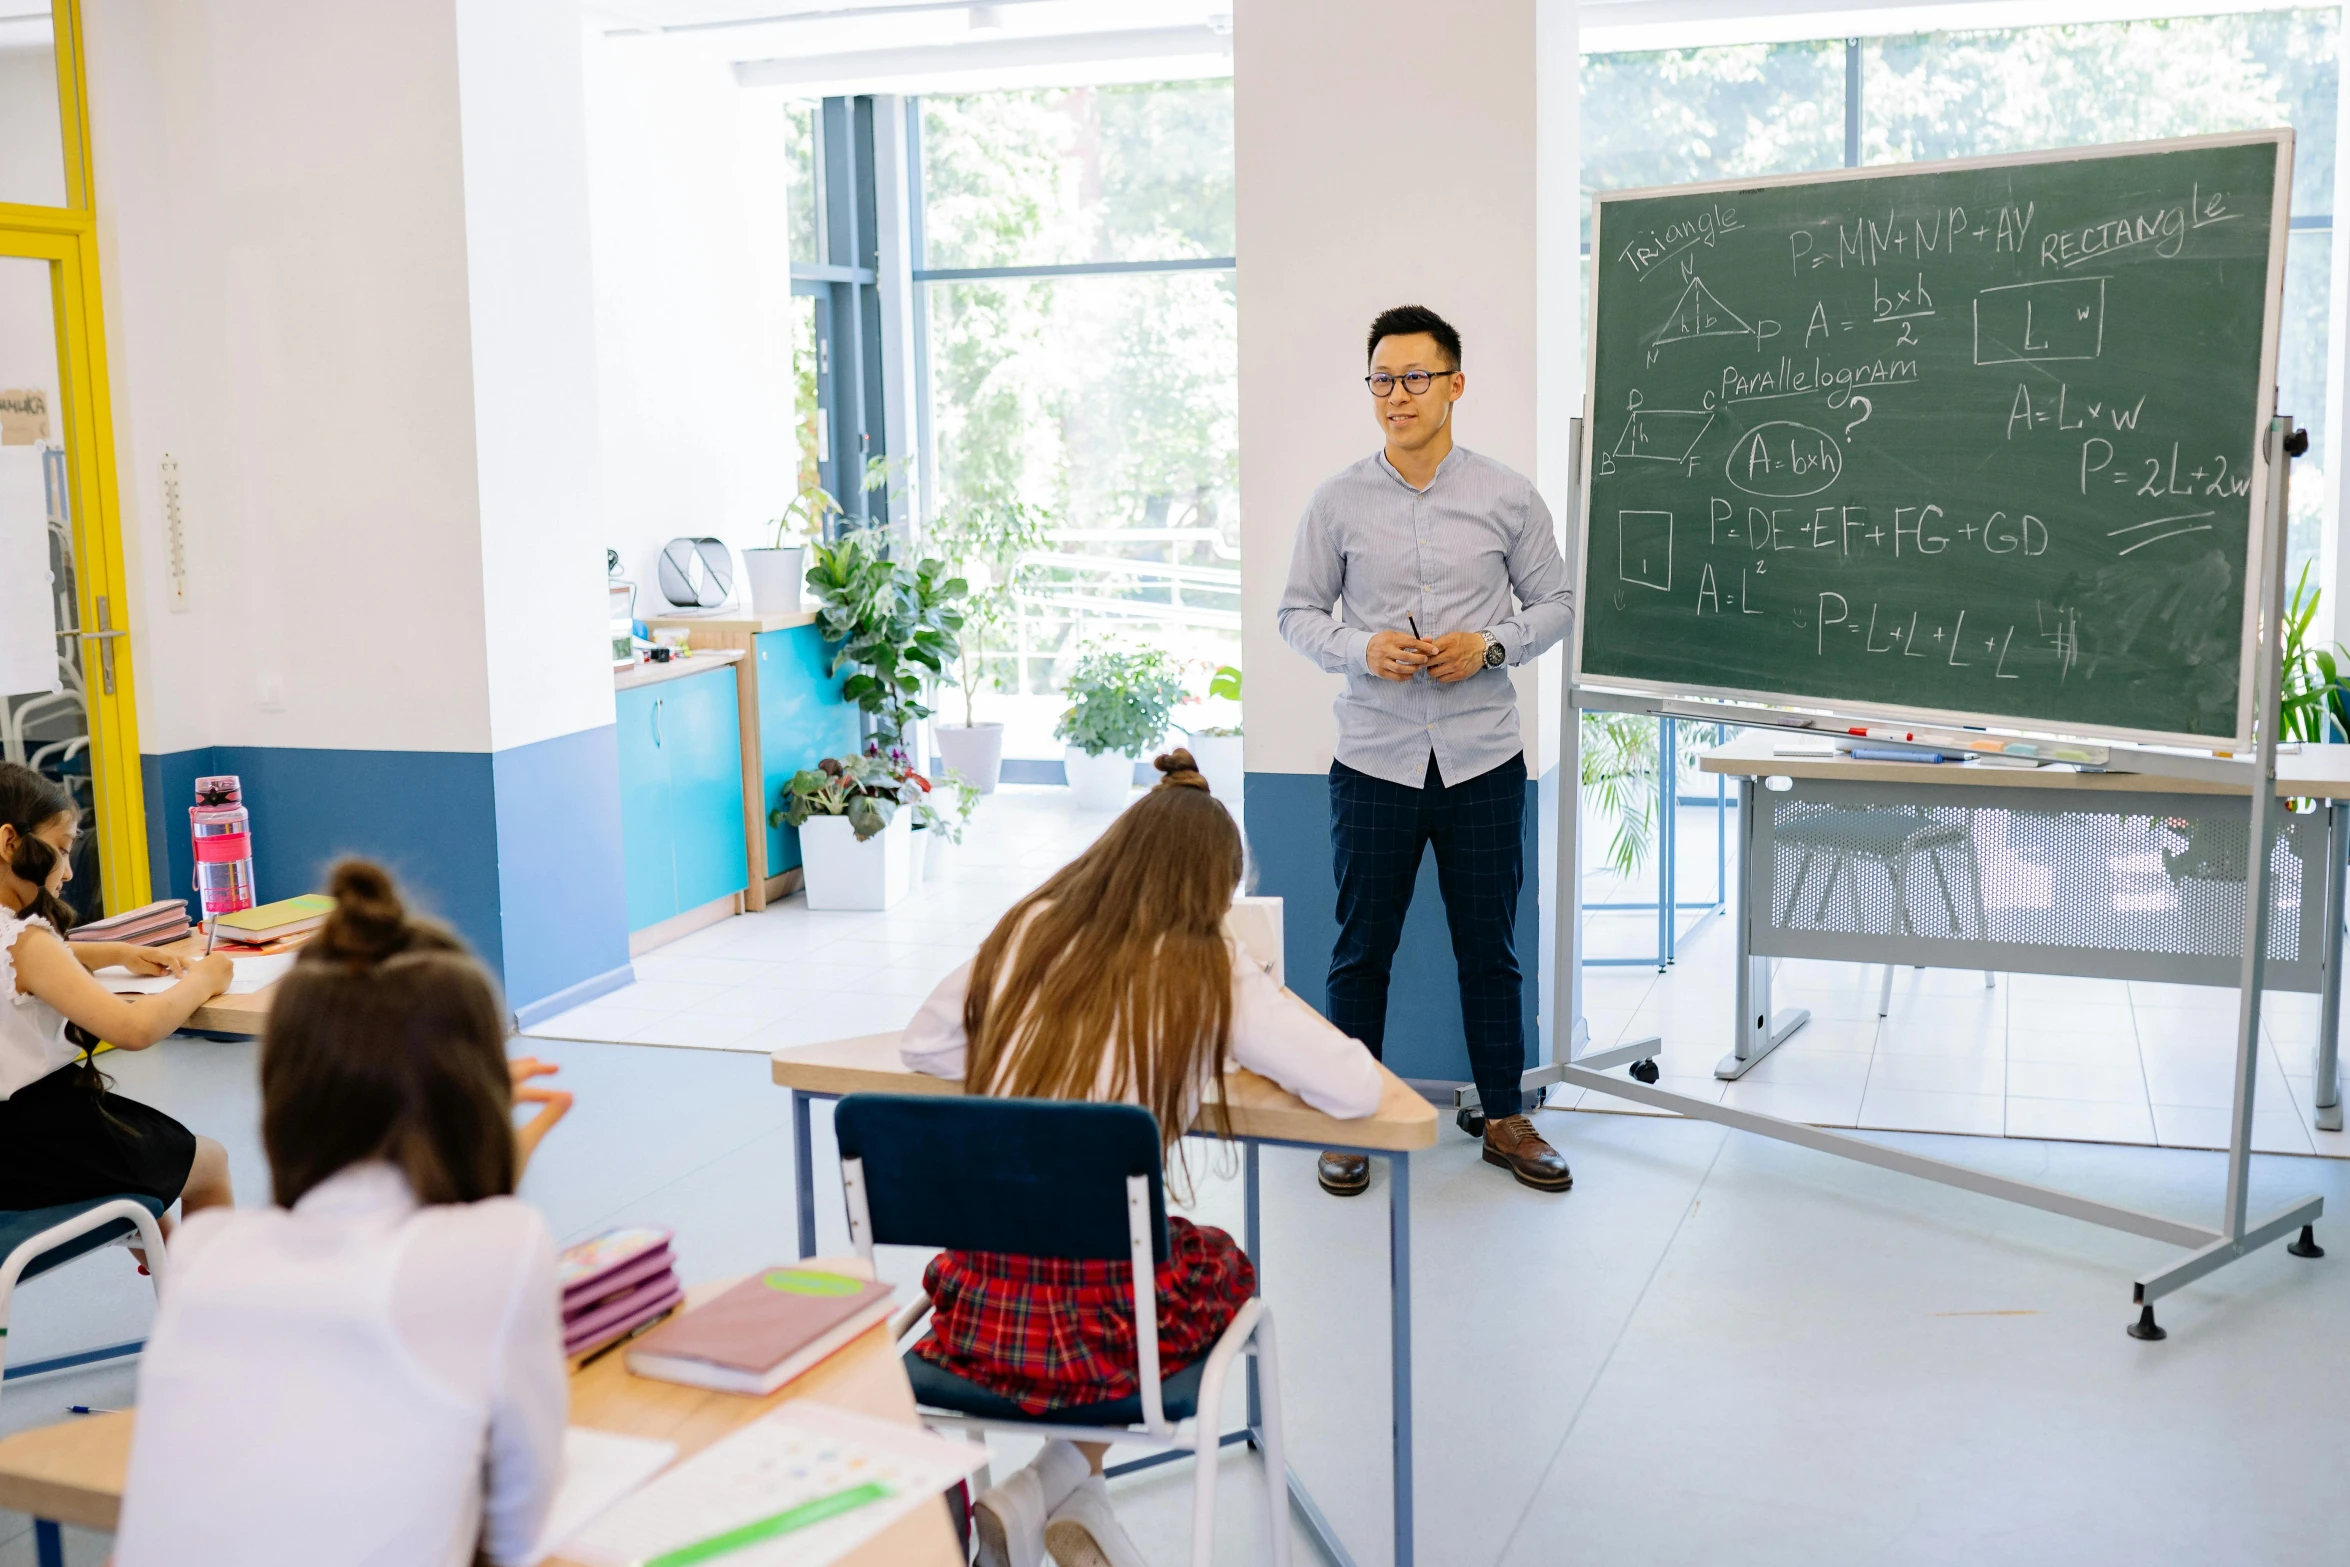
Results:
x,y
1456,657
553,1103
1395,656
212,973
148,960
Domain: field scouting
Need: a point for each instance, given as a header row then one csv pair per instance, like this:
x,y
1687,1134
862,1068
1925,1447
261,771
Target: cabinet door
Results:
x,y
702,728
648,849
802,720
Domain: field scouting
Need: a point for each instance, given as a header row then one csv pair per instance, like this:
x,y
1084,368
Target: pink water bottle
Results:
x,y
223,832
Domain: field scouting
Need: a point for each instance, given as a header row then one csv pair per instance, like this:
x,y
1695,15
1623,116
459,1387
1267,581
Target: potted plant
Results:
x,y
918,792
940,818
1120,701
856,844
986,540
895,624
776,572
1216,747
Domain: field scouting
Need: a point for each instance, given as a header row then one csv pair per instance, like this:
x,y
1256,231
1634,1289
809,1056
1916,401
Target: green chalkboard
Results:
x,y
1968,442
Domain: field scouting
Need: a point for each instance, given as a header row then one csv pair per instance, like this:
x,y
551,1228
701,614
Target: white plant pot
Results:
x,y
776,576
1219,763
976,751
919,838
1101,783
937,857
844,874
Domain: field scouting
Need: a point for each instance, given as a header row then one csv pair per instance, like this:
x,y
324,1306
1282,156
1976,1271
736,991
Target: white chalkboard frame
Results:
x,y
2280,223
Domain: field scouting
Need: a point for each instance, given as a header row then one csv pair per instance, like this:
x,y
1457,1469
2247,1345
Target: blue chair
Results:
x,y
1048,1178
35,1240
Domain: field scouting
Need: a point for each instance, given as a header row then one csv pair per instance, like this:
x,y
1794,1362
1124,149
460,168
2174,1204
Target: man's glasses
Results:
x,y
1415,382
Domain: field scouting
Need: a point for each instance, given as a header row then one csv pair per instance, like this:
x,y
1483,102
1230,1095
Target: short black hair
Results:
x,y
1405,321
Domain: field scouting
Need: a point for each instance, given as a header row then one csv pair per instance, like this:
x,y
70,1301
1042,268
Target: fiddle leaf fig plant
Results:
x,y
895,624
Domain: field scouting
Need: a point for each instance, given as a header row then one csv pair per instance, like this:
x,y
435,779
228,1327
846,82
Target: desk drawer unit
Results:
x,y
2119,886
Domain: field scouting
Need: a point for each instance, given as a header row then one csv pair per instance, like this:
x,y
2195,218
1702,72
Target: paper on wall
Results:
x,y
28,621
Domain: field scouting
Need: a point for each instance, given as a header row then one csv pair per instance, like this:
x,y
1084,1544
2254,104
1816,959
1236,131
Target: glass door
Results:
x,y
64,651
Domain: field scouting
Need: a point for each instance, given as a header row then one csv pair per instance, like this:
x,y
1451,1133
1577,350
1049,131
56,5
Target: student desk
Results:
x,y
73,1473
1960,865
224,1013
1261,1113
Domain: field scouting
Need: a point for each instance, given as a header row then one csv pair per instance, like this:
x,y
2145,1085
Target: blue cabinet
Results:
x,y
681,795
802,720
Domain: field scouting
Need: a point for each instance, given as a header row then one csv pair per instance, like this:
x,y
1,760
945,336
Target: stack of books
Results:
x,y
617,1284
156,925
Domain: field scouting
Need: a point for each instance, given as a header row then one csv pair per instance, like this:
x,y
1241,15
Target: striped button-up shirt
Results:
x,y
1371,550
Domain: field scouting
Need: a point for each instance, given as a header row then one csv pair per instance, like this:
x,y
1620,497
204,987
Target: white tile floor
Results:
x,y
2031,1055
791,976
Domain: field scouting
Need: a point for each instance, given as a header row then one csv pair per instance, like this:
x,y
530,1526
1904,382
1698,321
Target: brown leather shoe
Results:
x,y
1512,1143
1343,1174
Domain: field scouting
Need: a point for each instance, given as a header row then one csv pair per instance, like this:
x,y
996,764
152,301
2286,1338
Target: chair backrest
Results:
x,y
1032,1177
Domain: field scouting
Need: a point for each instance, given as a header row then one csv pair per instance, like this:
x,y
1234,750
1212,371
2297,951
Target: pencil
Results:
x,y
211,929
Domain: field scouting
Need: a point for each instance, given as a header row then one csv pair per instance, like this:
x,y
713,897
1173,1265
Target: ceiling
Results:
x,y
812,46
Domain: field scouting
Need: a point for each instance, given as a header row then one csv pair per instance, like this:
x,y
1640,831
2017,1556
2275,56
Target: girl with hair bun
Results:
x,y
373,1368
64,1137
1113,981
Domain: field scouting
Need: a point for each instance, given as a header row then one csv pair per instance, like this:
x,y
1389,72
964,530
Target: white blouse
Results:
x,y
32,1032
359,1379
1274,1035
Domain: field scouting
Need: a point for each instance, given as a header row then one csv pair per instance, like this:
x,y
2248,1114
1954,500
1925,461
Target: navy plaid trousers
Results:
x,y
1378,832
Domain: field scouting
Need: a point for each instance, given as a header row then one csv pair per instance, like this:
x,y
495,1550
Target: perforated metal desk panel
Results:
x,y
1957,865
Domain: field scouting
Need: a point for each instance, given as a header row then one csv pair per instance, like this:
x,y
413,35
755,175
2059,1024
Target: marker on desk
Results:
x,y
89,1409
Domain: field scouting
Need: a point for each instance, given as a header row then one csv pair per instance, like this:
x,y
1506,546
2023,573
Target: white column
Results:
x,y
894,277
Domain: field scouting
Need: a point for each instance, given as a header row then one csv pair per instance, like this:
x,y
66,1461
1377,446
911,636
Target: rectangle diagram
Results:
x,y
2035,323
1644,549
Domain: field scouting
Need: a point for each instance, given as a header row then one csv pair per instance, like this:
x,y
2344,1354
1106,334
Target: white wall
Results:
x,y
532,297
282,237
347,289
1339,219
692,298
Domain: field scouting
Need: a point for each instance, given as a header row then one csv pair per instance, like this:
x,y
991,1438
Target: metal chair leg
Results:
x,y
1269,1427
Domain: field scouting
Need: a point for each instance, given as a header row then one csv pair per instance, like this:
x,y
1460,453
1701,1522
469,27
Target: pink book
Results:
x,y
622,1315
591,1270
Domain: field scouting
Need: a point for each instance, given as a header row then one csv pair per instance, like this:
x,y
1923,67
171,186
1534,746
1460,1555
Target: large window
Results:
x,y
1702,114
1079,354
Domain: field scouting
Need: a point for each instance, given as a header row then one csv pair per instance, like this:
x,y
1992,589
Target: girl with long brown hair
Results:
x,y
1113,981
64,1136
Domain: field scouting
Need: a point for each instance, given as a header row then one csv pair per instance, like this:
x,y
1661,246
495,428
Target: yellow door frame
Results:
x,y
67,239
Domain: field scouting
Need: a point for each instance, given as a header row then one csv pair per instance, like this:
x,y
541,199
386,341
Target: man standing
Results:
x,y
1424,543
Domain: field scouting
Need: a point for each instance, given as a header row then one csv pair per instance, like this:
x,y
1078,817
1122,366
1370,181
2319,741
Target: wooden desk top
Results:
x,y
2314,771
223,1014
869,1064
73,1472
702,661
730,622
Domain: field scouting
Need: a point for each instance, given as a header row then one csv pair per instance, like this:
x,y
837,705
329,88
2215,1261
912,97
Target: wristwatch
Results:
x,y
1495,654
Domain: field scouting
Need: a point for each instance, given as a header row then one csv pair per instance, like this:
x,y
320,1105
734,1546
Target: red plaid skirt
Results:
x,y
1049,1332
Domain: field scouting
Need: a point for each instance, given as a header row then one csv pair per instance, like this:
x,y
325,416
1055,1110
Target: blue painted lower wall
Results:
x,y
1289,840
518,850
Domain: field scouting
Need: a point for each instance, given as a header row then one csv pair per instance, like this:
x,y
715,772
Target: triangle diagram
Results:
x,y
1699,314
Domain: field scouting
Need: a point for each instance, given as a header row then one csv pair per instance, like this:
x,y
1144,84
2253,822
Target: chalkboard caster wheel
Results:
x,y
1644,1071
2145,1327
2305,1244
1470,1120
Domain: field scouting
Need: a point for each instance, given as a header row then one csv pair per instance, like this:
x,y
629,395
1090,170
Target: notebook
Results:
x,y
250,976
621,1314
801,1487
763,1332
269,921
599,1468
150,926
604,1262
